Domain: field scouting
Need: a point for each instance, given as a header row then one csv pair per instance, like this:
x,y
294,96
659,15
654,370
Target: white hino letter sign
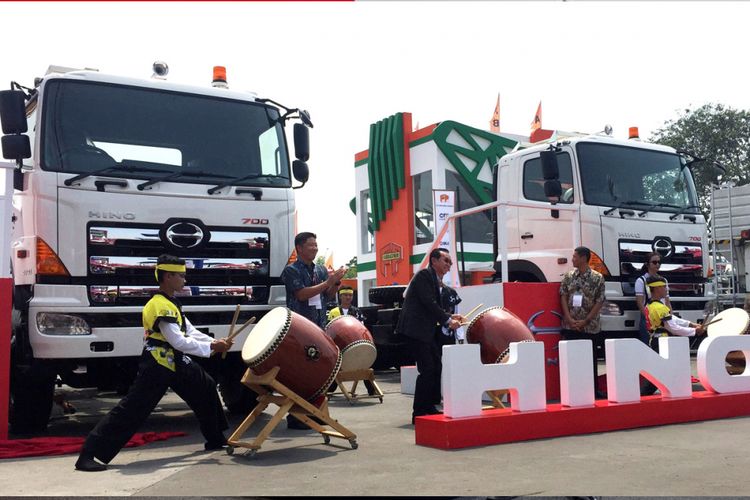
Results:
x,y
465,378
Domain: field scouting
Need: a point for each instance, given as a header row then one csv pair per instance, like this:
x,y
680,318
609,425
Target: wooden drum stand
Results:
x,y
288,402
356,376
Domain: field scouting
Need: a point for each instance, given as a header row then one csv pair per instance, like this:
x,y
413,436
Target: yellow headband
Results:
x,y
171,268
657,283
346,292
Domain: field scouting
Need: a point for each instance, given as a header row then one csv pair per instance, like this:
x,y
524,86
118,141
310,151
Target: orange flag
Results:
x,y
536,124
329,261
495,121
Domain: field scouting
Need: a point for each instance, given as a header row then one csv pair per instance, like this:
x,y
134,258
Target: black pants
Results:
x,y
430,367
189,381
596,339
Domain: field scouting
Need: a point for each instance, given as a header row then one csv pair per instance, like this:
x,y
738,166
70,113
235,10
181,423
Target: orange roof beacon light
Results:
x,y
633,133
220,77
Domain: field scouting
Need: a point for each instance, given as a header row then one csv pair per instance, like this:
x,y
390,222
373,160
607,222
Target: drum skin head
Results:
x,y
264,334
359,355
734,321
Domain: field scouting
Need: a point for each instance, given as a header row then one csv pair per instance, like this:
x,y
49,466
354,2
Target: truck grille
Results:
x,y
225,265
681,265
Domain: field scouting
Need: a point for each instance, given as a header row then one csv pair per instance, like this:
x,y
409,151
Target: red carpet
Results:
x,y
34,447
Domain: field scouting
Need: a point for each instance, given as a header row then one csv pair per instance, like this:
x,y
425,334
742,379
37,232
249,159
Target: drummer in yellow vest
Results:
x,y
661,323
165,362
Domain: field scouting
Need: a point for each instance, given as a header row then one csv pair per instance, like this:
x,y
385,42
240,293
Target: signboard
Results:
x,y
444,205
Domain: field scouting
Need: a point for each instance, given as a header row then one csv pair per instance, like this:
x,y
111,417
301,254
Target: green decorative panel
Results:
x,y
385,167
469,159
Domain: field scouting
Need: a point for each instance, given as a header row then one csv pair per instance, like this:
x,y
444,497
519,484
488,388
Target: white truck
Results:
x,y
113,171
632,198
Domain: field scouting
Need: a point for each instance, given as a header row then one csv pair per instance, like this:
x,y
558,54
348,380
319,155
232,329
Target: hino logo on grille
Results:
x,y
663,246
185,233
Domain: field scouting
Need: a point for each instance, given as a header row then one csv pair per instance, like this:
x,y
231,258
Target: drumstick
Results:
x,y
715,320
231,328
237,332
234,320
472,311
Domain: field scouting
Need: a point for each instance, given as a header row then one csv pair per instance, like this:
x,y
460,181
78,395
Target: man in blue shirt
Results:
x,y
309,288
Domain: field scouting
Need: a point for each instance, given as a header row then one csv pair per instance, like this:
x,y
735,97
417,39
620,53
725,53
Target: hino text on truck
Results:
x,y
113,171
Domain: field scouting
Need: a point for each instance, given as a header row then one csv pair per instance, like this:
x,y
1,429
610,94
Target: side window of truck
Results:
x,y
533,180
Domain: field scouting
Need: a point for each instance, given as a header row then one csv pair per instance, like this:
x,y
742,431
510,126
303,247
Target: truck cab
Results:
x,y
122,170
632,198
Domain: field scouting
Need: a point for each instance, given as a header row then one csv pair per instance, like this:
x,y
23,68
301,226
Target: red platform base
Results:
x,y
500,426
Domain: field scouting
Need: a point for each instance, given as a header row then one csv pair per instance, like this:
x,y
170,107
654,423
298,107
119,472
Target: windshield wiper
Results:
x,y
118,167
652,206
240,179
177,175
683,211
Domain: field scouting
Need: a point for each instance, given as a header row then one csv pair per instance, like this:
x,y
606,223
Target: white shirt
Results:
x,y
196,343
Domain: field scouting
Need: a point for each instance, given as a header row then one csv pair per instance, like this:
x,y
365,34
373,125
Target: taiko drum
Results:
x,y
358,351
307,358
494,329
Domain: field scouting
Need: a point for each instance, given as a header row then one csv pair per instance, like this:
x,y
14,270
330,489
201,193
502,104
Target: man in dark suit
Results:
x,y
420,322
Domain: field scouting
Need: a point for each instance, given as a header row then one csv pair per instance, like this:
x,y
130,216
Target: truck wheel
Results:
x,y
32,389
387,295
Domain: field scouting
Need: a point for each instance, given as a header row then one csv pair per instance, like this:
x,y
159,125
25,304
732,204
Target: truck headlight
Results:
x,y
61,324
610,309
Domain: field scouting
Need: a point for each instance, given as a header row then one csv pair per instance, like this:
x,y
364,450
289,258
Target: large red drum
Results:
x,y
494,329
358,350
307,358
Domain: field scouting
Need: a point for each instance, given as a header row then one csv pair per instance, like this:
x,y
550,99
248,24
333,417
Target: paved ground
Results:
x,y
706,458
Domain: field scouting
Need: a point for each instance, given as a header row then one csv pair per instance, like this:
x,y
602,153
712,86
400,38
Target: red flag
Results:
x,y
536,124
495,121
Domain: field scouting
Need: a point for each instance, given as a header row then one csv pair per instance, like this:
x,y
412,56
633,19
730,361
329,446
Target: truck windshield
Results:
x,y
622,176
90,127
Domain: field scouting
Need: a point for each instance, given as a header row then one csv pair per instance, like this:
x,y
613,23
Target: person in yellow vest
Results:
x,y
170,340
661,323
345,307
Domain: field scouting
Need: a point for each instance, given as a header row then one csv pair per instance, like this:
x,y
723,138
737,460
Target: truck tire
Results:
x,y
387,295
31,391
237,397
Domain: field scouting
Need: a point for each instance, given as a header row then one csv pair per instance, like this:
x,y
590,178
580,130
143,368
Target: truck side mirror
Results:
x,y
16,147
18,179
553,189
13,112
550,170
301,171
301,142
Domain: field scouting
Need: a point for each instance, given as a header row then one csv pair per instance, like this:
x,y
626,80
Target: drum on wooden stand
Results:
x,y
494,329
307,358
358,351
732,321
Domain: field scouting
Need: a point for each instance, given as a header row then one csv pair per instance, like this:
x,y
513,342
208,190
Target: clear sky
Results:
x,y
351,64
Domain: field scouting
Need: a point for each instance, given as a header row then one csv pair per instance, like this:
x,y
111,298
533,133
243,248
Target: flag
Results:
x,y
495,121
536,124
329,260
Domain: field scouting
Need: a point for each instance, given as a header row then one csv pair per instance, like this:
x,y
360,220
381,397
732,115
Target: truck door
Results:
x,y
546,234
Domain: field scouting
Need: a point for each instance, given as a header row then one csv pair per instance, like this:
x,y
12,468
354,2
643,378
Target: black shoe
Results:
x,y
214,446
429,411
88,464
